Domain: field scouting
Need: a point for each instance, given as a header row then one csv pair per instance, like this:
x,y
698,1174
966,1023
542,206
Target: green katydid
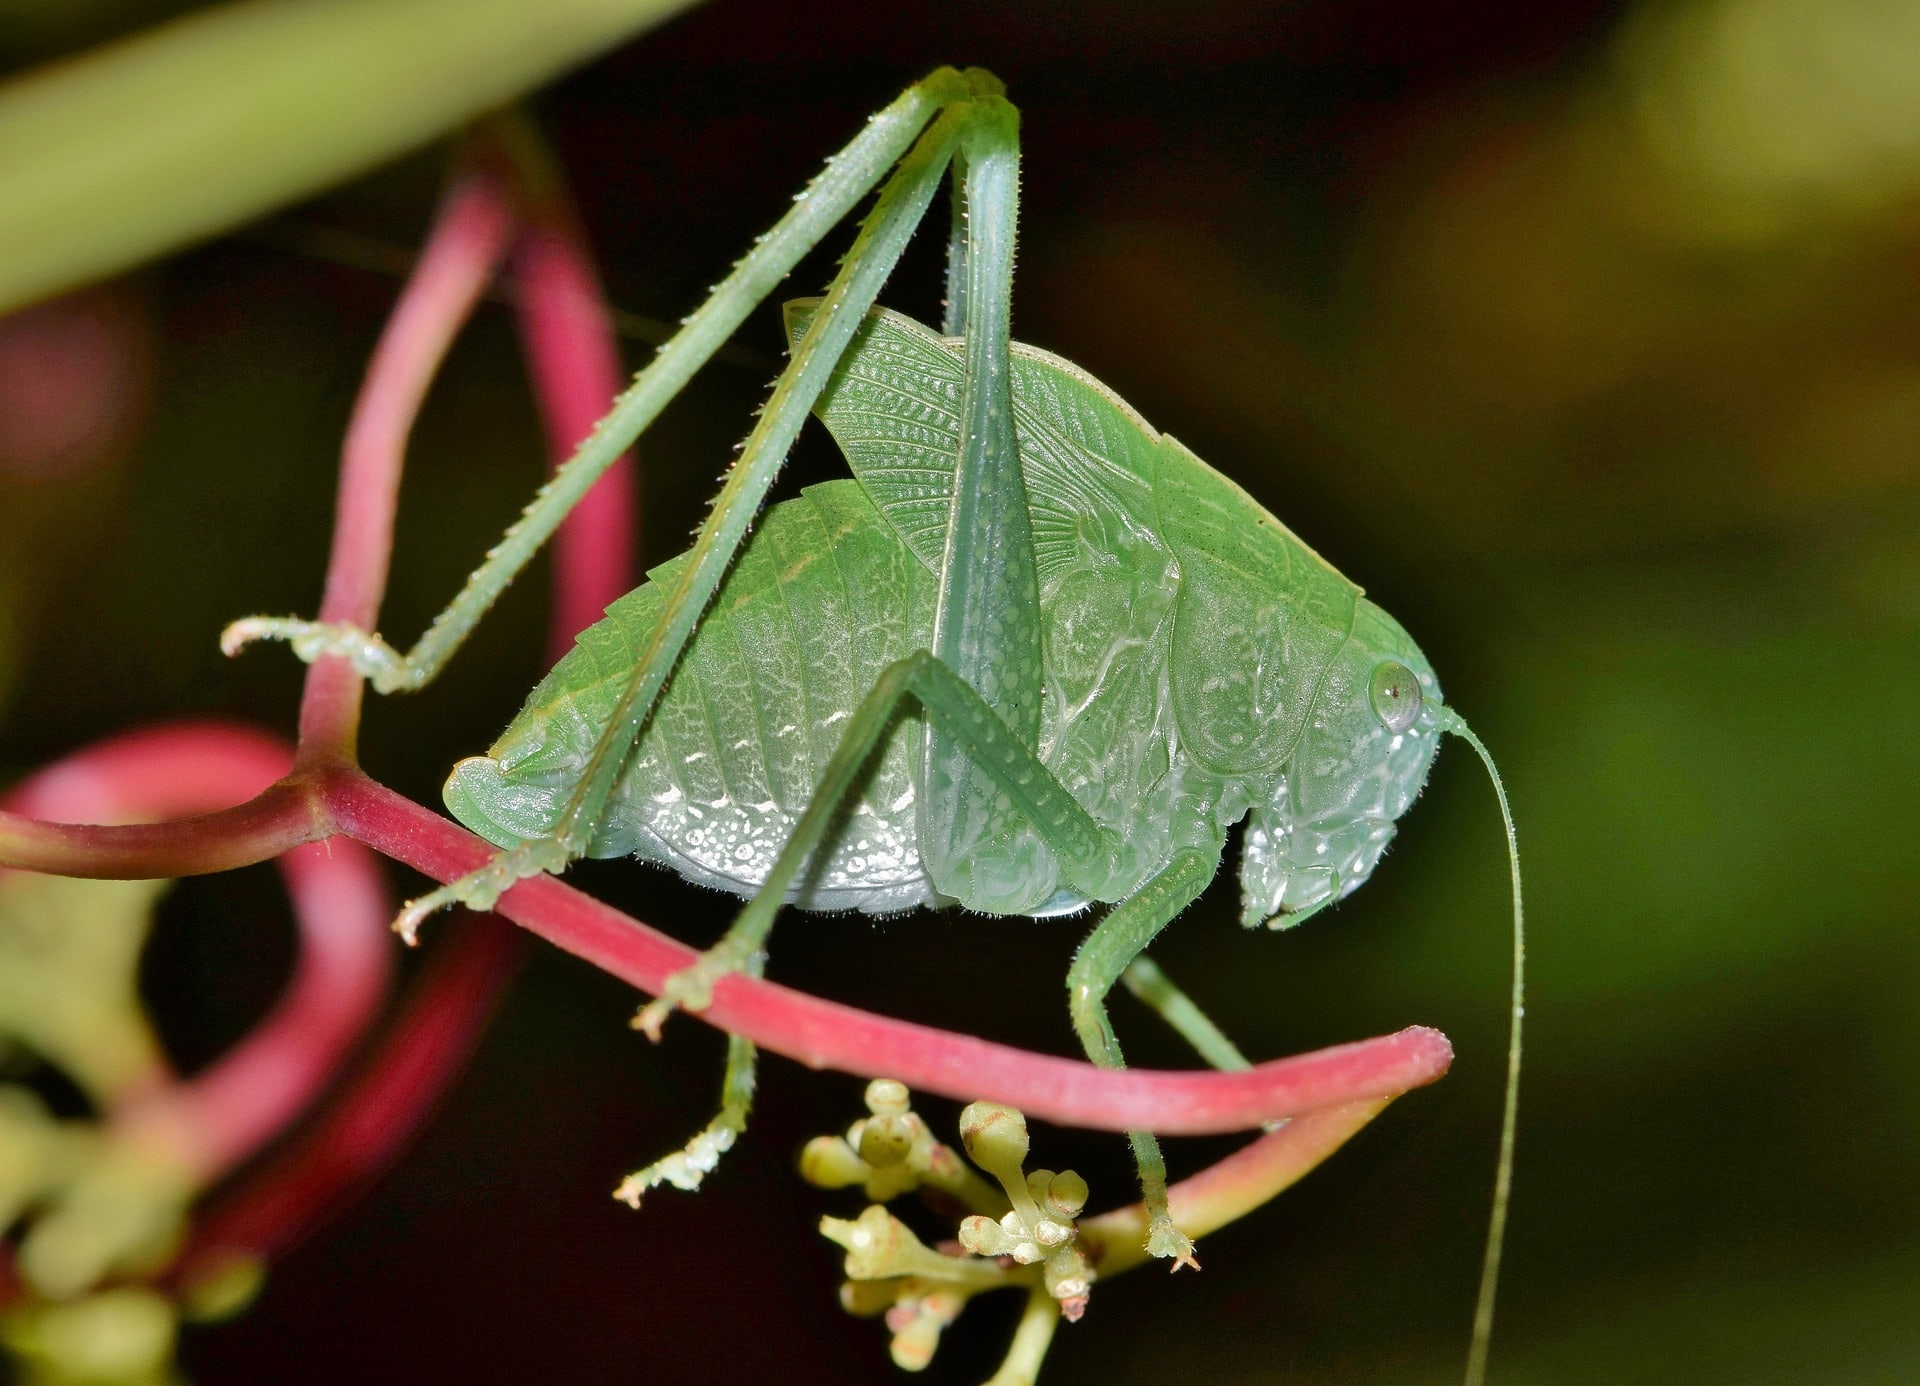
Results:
x,y
1034,656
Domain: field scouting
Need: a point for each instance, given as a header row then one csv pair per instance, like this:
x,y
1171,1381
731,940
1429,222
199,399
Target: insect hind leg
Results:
x,y
1157,992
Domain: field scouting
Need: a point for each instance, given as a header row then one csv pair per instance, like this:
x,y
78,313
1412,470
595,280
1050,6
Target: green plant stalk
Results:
x,y
170,136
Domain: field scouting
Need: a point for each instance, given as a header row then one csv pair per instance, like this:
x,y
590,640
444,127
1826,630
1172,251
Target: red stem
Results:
x,y
280,817
823,1034
468,239
213,1121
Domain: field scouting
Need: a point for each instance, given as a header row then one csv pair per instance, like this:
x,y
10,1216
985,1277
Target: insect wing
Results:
x,y
1261,617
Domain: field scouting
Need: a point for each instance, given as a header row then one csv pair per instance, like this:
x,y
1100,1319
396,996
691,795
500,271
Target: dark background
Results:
x,y
1586,338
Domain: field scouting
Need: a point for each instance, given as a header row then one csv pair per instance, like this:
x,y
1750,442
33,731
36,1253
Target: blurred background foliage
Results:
x,y
1585,335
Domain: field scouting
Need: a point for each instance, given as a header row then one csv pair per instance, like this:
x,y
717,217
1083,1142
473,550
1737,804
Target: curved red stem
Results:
x,y
211,1122
824,1034
468,239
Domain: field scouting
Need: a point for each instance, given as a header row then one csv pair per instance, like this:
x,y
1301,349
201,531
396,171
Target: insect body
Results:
x,y
1035,655
1201,665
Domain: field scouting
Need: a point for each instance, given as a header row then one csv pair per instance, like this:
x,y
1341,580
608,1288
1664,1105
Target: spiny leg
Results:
x,y
848,177
1114,943
882,238
1084,850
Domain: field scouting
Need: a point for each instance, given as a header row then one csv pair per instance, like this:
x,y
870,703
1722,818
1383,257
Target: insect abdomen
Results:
x,y
822,598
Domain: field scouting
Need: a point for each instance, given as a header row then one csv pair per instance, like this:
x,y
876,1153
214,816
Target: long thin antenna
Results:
x,y
1509,1121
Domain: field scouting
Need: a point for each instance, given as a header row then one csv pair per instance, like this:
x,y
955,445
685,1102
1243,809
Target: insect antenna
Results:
x,y
1503,1177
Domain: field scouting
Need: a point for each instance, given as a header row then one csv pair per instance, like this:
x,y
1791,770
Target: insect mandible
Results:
x,y
1034,656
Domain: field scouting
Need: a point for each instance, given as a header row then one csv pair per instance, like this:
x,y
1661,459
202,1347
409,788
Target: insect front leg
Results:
x,y
848,177
1107,952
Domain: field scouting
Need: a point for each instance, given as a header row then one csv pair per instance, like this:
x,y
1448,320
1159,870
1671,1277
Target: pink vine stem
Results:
x,y
210,1123
823,1034
506,201
572,356
468,239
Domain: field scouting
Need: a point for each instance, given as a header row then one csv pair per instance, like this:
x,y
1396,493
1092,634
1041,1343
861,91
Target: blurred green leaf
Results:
x,y
123,1336
170,136
69,973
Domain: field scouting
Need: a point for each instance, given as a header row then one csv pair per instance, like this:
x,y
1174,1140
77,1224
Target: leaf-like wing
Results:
x,y
1107,578
893,405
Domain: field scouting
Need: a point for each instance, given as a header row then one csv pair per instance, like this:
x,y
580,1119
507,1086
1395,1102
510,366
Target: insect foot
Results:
x,y
371,657
1020,1235
685,1169
691,988
1169,1243
482,889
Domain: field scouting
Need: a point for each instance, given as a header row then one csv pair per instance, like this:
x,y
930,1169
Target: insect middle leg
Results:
x,y
1106,953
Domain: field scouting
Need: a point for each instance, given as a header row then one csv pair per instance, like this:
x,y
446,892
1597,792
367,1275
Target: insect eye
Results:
x,y
1396,696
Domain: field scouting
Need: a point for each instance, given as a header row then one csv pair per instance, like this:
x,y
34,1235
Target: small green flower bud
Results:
x,y
1022,1246
887,1097
996,1139
827,1162
917,1325
116,1335
223,1289
1066,1195
886,1140
878,1244
1069,1279
914,1342
1049,1234
985,1237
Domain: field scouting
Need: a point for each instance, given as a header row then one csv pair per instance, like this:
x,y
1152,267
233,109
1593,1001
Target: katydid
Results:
x,y
1035,656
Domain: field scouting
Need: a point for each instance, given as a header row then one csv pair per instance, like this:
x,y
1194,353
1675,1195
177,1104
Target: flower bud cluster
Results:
x,y
887,1153
1039,1229
1024,1239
